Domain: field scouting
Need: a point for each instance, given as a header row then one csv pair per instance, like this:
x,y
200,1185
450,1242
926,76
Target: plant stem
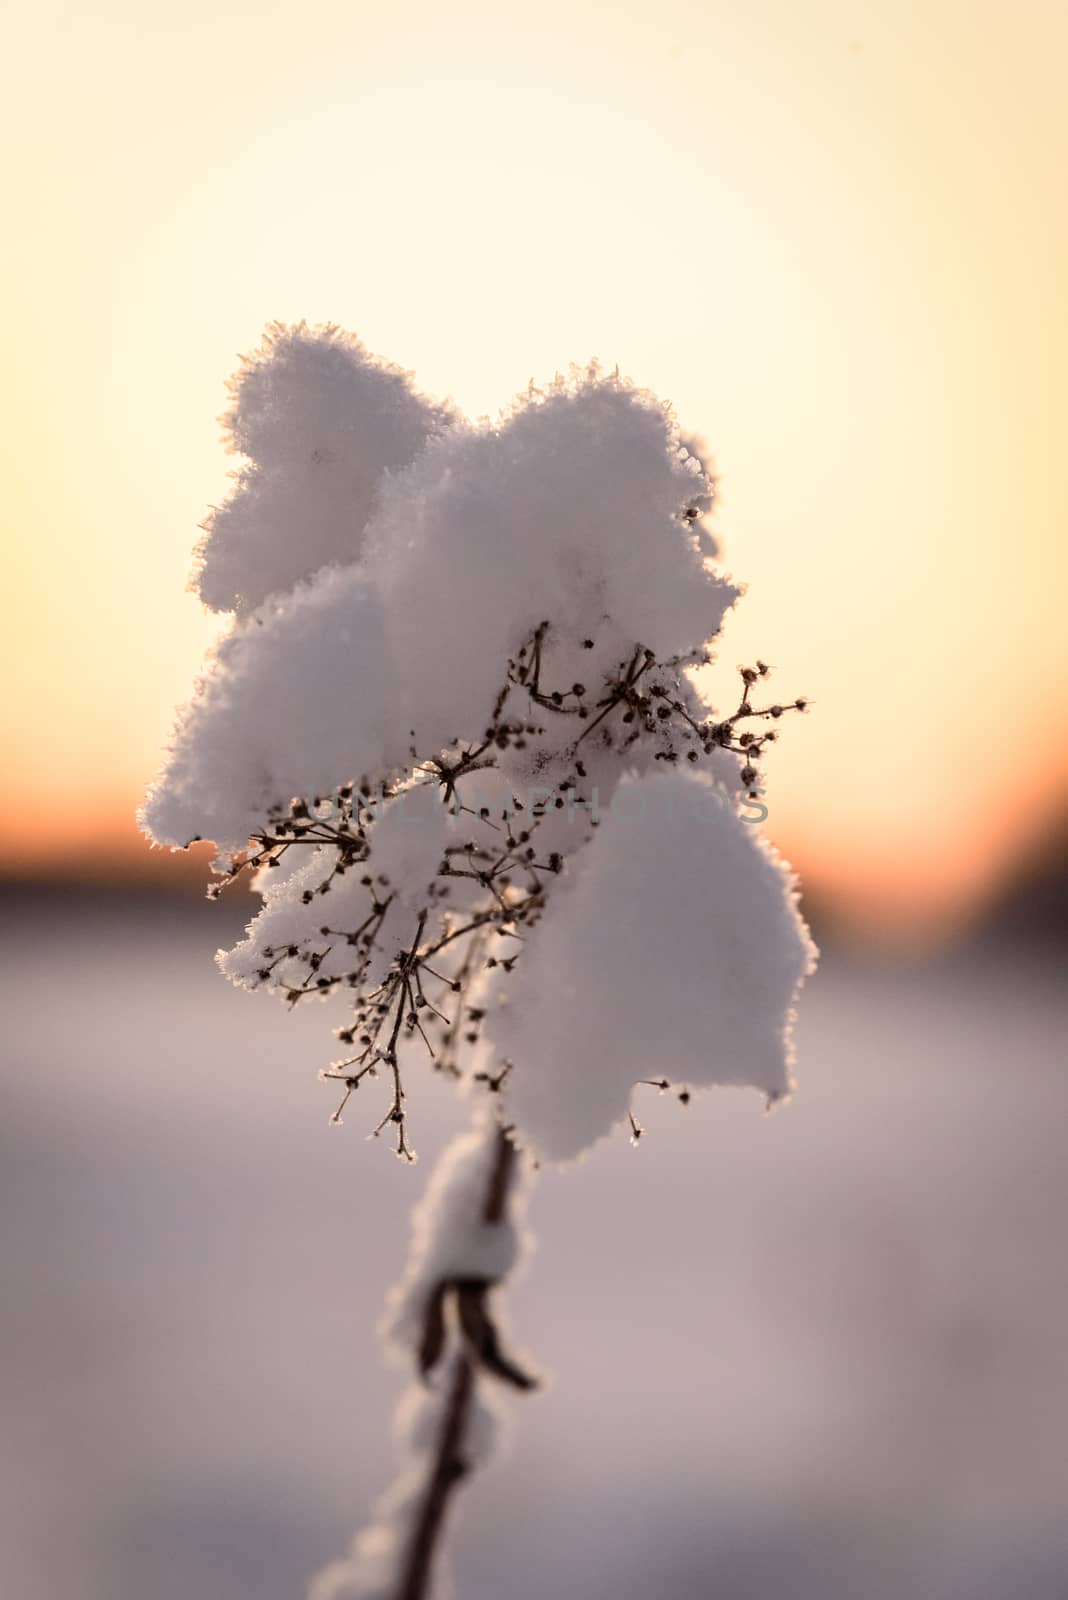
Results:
x,y
447,1469
448,1465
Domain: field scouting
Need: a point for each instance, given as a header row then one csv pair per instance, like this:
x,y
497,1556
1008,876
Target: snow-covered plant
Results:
x,y
455,735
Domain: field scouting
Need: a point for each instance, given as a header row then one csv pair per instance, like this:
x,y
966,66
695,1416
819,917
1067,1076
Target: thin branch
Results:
x,y
448,1469
479,1347
485,887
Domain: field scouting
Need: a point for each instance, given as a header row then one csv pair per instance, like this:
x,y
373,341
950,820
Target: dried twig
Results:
x,y
497,880
478,1349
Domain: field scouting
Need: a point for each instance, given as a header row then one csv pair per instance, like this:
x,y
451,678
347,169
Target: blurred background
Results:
x,y
823,1353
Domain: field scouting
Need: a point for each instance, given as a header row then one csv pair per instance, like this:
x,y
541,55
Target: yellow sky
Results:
x,y
834,234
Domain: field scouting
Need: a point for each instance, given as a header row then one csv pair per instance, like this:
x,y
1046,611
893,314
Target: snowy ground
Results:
x,y
820,1355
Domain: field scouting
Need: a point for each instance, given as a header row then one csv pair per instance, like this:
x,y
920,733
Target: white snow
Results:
x,y
569,510
675,951
318,421
295,701
450,1237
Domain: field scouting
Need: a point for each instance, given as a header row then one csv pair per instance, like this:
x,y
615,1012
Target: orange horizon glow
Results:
x,y
864,891
836,241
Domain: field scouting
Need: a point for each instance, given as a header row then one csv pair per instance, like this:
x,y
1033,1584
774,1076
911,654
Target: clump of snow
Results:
x,y
576,509
676,951
450,1236
297,700
319,421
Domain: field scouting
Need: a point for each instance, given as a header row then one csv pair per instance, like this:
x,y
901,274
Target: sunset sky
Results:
x,y
834,234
